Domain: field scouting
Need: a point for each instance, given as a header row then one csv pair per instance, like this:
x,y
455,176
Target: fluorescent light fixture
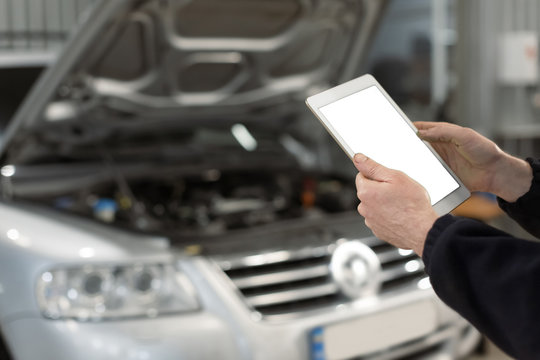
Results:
x,y
244,137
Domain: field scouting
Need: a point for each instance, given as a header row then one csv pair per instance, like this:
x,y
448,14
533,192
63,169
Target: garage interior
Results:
x,y
472,63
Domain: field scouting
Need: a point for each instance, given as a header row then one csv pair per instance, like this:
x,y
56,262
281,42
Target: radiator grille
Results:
x,y
287,282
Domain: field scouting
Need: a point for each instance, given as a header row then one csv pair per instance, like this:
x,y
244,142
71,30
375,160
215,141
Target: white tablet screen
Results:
x,y
369,124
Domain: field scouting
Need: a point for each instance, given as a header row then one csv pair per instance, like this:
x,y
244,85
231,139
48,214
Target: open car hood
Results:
x,y
148,64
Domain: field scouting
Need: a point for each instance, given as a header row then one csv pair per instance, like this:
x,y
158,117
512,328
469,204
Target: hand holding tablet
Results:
x,y
362,118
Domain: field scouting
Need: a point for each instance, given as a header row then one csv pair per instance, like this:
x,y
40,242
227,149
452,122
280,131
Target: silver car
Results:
x,y
166,195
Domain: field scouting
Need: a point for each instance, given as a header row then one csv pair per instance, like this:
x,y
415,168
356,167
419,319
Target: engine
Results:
x,y
210,203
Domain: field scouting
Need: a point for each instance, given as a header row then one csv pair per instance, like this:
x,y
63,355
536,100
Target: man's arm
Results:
x,y
489,277
483,166
478,161
526,209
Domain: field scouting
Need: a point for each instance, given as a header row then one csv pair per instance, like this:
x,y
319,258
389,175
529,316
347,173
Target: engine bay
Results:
x,y
210,203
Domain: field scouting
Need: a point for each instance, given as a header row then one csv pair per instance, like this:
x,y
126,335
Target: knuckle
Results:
x,y
372,172
358,180
362,210
468,133
367,223
398,175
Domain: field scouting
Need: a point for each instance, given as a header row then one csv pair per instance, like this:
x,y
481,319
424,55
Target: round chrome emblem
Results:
x,y
356,269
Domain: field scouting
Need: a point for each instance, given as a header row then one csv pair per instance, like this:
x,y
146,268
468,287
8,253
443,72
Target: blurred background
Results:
x,y
472,63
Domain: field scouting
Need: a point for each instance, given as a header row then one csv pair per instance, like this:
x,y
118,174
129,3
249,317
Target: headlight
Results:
x,y
96,292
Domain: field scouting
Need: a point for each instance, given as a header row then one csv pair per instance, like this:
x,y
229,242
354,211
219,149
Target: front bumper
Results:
x,y
206,335
194,336
362,338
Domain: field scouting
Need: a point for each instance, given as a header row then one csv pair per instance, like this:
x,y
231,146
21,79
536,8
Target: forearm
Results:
x,y
512,178
490,278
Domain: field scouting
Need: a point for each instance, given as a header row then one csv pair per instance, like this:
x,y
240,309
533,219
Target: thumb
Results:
x,y
371,169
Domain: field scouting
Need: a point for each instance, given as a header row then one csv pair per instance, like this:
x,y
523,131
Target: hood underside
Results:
x,y
185,62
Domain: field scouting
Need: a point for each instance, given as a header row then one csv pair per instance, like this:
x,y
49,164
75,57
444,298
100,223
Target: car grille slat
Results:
x,y
288,282
282,276
402,270
391,255
293,295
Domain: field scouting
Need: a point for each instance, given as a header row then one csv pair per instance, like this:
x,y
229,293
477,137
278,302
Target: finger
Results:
x,y
361,210
423,128
359,182
363,187
439,132
431,124
424,124
366,221
371,169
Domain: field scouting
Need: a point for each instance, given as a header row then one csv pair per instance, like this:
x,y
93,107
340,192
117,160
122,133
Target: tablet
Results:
x,y
362,118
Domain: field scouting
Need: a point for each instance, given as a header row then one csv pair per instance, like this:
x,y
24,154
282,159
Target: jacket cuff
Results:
x,y
436,230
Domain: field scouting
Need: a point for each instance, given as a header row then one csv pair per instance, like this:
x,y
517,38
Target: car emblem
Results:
x,y
356,269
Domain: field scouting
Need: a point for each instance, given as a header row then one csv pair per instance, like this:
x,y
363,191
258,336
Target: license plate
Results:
x,y
372,333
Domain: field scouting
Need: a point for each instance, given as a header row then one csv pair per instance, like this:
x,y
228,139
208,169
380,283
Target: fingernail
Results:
x,y
358,158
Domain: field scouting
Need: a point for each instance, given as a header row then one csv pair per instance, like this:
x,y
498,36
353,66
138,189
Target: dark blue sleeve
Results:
x,y
490,278
526,210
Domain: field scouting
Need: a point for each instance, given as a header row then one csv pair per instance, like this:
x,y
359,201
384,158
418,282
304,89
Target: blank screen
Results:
x,y
369,124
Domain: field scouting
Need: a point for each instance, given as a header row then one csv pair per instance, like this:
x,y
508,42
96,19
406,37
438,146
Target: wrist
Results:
x,y
512,179
423,230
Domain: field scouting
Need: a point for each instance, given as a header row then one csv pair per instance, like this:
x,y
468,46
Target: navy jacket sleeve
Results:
x,y
490,277
526,210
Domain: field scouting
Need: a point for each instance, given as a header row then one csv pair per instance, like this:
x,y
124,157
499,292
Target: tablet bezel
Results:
x,y
315,102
